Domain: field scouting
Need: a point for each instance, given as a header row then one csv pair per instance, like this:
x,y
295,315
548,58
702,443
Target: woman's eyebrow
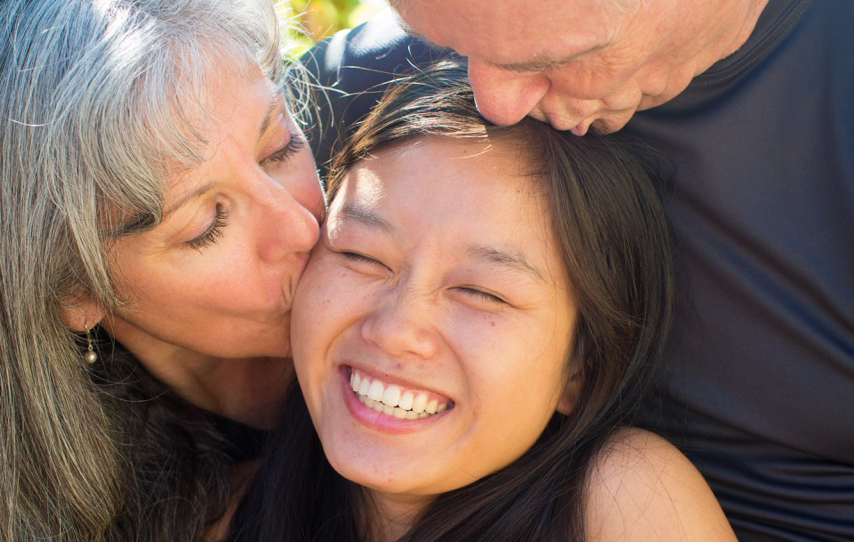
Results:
x,y
488,254
506,258
188,196
365,217
138,223
275,101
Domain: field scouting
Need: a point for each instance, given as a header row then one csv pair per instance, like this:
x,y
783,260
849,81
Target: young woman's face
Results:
x,y
217,276
436,288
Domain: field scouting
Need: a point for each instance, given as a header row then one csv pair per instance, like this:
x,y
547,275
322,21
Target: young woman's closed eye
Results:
x,y
481,295
361,259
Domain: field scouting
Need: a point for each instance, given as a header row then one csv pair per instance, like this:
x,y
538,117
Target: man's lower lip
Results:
x,y
579,129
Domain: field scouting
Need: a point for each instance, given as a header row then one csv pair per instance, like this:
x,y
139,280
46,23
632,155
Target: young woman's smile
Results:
x,y
391,407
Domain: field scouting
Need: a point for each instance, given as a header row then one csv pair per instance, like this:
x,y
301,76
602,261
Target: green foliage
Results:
x,y
317,19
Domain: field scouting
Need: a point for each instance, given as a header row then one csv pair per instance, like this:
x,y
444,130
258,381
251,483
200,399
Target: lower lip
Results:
x,y
377,420
578,130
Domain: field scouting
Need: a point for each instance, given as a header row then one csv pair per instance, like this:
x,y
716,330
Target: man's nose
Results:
x,y
502,96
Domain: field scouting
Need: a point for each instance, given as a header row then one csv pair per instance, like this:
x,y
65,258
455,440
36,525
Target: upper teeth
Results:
x,y
392,400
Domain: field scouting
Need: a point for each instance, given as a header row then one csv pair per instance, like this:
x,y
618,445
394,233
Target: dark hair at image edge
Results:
x,y
610,228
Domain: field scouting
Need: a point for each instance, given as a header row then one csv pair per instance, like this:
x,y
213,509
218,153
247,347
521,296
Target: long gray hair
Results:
x,y
97,101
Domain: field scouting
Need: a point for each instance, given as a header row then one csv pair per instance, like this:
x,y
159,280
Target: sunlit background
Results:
x,y
319,19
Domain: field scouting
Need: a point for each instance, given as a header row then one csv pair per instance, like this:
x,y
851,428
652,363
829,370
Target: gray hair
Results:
x,y
97,102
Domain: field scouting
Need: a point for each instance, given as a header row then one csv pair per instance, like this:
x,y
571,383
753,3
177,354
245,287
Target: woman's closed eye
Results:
x,y
213,232
355,257
481,295
296,143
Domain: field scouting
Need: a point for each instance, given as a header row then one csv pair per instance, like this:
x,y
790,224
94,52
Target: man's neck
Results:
x,y
744,22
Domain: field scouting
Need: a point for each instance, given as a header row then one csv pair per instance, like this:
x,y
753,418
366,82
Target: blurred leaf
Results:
x,y
319,19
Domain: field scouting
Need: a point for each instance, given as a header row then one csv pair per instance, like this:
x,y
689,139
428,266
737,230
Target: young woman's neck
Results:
x,y
393,515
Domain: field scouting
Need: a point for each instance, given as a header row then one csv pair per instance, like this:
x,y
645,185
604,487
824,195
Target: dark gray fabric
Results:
x,y
758,385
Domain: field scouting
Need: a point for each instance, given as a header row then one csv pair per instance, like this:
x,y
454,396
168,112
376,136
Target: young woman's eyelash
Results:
x,y
484,295
294,145
213,232
356,257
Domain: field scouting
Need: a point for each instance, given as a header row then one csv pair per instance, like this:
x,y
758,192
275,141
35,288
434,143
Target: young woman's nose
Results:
x,y
402,326
503,96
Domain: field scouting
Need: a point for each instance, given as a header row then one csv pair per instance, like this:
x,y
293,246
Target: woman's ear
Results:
x,y
572,388
81,314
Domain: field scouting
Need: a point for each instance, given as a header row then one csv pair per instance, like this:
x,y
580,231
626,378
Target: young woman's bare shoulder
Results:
x,y
642,488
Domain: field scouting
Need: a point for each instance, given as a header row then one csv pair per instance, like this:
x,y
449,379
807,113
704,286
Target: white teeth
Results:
x,y
391,396
420,403
376,390
364,386
392,400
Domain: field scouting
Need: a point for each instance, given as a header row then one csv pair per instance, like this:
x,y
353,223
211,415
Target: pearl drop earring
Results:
x,y
90,356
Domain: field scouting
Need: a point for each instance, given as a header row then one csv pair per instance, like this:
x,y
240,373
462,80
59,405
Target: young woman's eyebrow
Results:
x,y
506,258
365,217
488,254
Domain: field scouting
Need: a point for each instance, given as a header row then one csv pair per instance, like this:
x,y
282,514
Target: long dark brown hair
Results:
x,y
610,228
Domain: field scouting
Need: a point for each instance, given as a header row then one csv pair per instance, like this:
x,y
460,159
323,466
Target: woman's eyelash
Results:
x,y
483,295
213,232
356,257
480,294
296,144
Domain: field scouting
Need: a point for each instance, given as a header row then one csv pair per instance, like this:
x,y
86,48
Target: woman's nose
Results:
x,y
402,325
288,226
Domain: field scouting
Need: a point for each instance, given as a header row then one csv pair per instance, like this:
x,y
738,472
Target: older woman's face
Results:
x,y
217,276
